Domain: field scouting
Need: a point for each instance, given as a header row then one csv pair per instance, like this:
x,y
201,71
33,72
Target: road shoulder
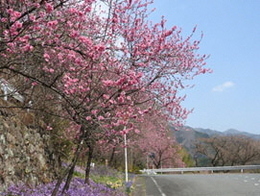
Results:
x,y
139,186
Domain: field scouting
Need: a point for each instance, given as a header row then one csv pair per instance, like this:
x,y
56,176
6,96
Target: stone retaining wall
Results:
x,y
26,154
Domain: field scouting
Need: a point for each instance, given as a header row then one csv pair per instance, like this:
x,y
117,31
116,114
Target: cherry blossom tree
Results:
x,y
103,64
151,145
157,143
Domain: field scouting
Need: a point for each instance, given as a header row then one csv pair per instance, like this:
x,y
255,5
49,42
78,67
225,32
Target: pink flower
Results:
x,y
34,83
94,112
49,7
14,14
105,96
85,40
108,82
27,47
167,33
74,34
52,23
121,99
49,128
46,57
137,131
18,25
101,118
88,118
99,48
32,17
3,20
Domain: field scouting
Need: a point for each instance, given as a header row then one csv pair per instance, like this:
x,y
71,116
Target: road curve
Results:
x,y
201,185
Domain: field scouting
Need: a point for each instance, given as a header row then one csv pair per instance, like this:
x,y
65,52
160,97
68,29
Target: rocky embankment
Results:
x,y
25,150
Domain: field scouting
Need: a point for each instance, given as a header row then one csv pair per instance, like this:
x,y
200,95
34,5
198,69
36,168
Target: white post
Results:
x,y
5,93
161,166
126,166
147,163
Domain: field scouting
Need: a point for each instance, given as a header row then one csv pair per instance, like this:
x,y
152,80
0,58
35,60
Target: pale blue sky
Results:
x,y
230,96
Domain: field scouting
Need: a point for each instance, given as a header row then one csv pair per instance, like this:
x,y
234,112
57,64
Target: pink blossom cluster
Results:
x,y
108,67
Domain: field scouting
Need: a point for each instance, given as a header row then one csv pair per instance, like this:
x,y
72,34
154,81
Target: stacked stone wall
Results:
x,y
26,152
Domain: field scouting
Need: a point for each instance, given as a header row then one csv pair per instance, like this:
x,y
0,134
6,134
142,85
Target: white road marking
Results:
x,y
158,187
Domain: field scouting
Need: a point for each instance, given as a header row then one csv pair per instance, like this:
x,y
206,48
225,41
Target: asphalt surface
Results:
x,y
198,185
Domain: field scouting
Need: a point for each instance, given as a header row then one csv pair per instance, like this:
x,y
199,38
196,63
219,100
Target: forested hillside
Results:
x,y
213,148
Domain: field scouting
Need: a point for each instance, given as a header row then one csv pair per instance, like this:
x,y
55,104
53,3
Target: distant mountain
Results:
x,y
233,132
188,136
211,132
236,132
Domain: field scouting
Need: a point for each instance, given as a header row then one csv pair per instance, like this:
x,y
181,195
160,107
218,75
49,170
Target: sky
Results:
x,y
230,96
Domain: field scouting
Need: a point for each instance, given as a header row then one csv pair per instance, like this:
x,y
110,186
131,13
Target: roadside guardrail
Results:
x,y
240,168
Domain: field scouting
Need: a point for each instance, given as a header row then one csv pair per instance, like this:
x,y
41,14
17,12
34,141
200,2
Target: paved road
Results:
x,y
199,185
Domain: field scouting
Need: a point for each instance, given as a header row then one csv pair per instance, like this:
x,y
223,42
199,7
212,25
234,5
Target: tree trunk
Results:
x,y
70,169
70,175
88,166
57,186
110,163
67,172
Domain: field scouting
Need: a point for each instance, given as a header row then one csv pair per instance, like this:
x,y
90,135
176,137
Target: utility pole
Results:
x,y
126,165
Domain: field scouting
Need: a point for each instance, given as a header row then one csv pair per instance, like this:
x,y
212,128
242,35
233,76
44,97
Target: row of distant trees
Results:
x,y
227,150
103,68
